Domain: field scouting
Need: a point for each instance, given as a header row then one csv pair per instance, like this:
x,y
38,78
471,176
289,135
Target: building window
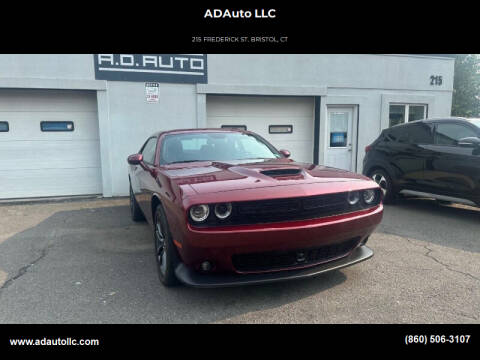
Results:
x,y
235,127
402,113
56,126
4,126
280,129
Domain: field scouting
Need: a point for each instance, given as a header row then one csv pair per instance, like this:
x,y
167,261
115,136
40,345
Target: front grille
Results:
x,y
275,260
289,209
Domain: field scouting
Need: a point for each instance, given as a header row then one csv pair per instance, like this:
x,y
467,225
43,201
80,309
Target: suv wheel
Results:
x,y
383,180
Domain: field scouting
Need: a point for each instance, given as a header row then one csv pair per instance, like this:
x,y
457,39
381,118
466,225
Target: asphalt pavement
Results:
x,y
86,261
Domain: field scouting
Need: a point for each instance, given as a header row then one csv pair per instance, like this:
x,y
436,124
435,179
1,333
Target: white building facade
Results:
x,y
68,122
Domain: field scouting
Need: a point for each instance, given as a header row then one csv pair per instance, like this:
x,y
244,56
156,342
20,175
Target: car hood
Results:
x,y
212,177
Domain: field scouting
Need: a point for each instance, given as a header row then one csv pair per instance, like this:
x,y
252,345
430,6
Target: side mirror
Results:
x,y
135,159
285,153
469,142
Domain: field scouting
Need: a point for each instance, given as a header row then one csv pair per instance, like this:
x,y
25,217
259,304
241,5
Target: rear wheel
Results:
x,y
135,211
385,183
165,253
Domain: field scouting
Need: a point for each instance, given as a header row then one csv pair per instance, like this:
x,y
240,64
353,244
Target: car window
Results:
x,y
398,134
212,146
420,134
148,151
449,134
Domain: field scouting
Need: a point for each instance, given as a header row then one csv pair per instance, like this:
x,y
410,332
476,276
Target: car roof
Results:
x,y
201,130
434,120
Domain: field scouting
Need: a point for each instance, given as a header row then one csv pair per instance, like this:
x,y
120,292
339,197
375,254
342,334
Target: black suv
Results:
x,y
438,158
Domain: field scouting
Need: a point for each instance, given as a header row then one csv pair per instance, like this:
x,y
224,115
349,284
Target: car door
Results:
x,y
452,169
145,174
405,159
420,138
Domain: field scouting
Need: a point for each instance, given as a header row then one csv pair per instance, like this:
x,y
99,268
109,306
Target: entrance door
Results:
x,y
339,138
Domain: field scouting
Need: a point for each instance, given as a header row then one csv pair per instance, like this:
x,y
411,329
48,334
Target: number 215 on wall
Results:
x,y
436,80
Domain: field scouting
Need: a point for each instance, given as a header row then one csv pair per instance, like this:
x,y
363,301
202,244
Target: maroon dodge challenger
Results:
x,y
227,208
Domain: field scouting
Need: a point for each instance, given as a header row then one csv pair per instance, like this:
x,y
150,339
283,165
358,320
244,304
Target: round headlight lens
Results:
x,y
223,211
369,196
199,213
353,197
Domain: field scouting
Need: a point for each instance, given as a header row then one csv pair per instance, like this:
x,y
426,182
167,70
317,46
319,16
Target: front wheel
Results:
x,y
165,254
385,183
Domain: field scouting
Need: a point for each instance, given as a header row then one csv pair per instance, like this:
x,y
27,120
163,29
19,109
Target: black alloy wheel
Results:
x,y
165,254
383,180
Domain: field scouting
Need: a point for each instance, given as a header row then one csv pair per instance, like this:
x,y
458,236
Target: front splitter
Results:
x,y
192,278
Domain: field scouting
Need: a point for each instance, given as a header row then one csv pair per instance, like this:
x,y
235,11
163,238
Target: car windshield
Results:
x,y
475,122
214,146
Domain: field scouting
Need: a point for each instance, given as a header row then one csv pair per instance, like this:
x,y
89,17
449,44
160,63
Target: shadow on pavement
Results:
x,y
454,225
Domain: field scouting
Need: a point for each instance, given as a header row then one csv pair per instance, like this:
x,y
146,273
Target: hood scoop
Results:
x,y
281,172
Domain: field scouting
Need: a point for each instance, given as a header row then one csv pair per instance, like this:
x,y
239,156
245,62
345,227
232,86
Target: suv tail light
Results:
x,y
368,148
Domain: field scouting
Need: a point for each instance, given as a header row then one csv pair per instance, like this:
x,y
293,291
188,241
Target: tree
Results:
x,y
466,86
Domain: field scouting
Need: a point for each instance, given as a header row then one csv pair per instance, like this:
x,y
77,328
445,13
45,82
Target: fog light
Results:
x,y
353,197
206,266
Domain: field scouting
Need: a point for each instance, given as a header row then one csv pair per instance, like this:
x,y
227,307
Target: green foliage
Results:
x,y
466,86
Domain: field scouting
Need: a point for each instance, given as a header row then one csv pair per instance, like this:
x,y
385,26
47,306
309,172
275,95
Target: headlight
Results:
x,y
353,197
199,213
223,211
369,196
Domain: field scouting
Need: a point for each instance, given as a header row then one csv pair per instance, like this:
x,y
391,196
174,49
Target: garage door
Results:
x,y
49,143
270,117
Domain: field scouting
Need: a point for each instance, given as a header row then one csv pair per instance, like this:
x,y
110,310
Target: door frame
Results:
x,y
355,119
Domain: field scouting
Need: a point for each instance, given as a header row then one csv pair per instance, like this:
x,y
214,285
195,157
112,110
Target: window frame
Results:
x,y
234,127
8,126
407,110
470,127
289,126
57,122
155,151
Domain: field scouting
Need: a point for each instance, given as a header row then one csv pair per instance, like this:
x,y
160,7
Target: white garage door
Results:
x,y
258,113
36,163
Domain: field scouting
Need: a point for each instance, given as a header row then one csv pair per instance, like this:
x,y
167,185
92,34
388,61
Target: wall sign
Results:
x,y
151,92
172,68
436,80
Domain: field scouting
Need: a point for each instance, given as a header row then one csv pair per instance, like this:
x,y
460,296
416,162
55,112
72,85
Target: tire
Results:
x,y
165,253
135,211
381,177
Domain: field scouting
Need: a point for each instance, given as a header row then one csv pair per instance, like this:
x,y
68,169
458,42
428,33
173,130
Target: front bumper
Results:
x,y
192,278
219,246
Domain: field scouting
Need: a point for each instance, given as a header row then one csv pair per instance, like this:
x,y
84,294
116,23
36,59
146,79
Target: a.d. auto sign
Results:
x,y
173,68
